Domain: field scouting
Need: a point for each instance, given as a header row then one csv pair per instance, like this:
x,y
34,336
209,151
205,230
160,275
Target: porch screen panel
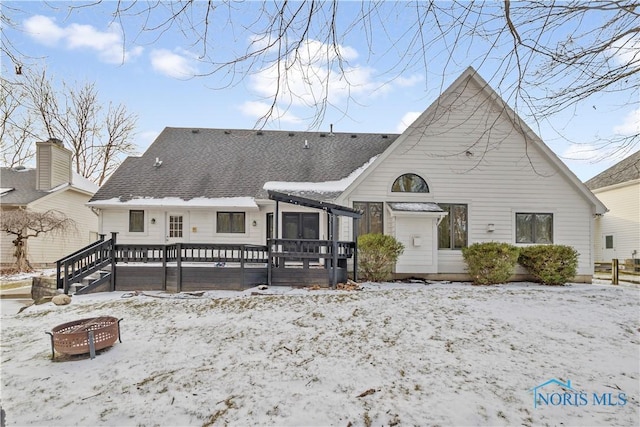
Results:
x,y
310,226
270,229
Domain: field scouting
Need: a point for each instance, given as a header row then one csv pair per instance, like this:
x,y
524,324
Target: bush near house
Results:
x,y
490,263
550,264
377,255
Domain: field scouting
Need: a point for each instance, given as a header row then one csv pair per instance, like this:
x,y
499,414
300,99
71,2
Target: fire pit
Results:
x,y
85,335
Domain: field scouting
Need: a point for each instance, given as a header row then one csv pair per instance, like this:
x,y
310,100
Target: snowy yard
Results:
x,y
391,354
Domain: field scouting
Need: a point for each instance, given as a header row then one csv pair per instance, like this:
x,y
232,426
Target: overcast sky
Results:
x,y
153,77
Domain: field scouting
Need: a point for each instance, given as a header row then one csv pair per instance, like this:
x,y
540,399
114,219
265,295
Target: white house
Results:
x,y
617,234
52,185
467,170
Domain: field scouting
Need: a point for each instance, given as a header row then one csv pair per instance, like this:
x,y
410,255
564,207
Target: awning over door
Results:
x,y
415,207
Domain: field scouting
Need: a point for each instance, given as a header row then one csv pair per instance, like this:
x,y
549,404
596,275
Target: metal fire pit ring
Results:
x,y
85,335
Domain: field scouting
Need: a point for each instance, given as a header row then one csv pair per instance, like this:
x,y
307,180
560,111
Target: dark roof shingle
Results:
x,y
623,171
24,184
215,163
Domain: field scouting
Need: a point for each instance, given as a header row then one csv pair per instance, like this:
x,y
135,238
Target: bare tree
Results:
x,y
15,128
544,57
25,224
557,53
33,110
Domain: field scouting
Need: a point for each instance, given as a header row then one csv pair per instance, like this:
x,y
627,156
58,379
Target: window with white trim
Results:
x,y
372,217
452,230
136,221
410,183
230,222
534,228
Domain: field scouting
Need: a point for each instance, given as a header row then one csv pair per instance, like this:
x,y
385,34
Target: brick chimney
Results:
x,y
53,164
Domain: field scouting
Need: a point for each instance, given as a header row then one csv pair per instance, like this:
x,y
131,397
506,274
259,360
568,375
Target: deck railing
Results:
x,y
309,248
105,256
192,252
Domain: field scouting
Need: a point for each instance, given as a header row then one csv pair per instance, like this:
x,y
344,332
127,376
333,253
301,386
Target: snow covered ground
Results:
x,y
391,354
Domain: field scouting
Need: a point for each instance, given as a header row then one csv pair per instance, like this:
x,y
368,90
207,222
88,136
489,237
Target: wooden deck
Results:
x,y
198,266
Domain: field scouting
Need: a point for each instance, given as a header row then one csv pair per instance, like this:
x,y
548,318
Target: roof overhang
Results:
x,y
245,203
315,204
597,191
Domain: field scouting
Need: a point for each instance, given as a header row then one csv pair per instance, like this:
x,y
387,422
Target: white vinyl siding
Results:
x,y
622,221
48,248
199,226
54,166
495,179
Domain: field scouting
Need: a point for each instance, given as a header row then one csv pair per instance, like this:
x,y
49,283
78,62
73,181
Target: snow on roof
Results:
x,y
415,207
79,182
318,187
82,183
236,202
5,190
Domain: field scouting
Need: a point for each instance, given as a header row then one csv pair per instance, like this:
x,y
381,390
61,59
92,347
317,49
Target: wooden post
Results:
x,y
614,271
112,256
59,283
334,246
179,267
65,277
277,232
164,267
242,250
355,224
269,261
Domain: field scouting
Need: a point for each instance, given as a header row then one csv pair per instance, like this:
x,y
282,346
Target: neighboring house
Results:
x,y
467,170
52,185
617,233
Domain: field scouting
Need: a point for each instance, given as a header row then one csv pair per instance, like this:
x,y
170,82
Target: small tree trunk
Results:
x,y
22,263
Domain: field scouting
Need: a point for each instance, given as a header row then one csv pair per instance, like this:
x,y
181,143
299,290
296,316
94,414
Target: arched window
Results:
x,y
410,183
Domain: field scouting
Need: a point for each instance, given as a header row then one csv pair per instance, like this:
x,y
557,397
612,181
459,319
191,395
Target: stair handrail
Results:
x,y
101,247
89,246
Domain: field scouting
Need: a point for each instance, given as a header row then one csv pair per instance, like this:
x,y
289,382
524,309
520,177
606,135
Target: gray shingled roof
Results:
x,y
626,170
216,163
24,184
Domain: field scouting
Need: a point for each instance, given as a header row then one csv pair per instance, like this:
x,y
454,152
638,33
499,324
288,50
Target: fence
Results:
x,y
626,270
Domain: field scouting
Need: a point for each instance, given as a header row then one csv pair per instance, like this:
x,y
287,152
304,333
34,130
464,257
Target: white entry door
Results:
x,y
418,235
608,247
176,228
